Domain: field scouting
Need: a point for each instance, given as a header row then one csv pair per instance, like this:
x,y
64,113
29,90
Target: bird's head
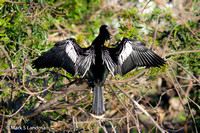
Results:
x,y
105,32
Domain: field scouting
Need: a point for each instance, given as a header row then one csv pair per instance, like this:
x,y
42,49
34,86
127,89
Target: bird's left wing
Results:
x,y
64,54
132,53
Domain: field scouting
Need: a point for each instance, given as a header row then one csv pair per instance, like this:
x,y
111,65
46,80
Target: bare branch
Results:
x,y
145,6
54,100
188,27
137,124
142,109
18,109
15,2
177,88
2,120
7,56
156,28
182,52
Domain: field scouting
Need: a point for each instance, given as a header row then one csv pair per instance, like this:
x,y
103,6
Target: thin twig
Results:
x,y
103,119
185,70
7,56
103,126
165,45
15,2
18,109
126,80
156,28
145,6
2,121
143,110
54,100
112,127
188,27
182,52
177,87
137,125
24,46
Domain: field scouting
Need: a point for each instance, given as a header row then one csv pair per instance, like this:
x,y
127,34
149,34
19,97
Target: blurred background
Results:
x,y
53,100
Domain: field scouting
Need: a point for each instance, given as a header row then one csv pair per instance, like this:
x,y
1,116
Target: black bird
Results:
x,y
98,60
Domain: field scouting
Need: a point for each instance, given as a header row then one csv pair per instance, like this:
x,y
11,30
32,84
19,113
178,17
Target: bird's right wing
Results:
x,y
64,54
132,53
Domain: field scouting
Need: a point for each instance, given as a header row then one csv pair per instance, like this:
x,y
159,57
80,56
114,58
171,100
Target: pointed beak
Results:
x,y
107,43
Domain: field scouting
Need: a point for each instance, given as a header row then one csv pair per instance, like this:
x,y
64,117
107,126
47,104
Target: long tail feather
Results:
x,y
98,108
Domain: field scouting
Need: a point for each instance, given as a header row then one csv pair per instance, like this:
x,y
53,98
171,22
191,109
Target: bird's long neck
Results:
x,y
99,40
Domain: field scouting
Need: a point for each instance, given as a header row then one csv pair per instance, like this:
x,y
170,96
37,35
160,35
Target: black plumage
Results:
x,y
98,60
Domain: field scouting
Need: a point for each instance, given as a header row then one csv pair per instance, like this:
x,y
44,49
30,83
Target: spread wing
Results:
x,y
107,59
64,54
84,61
132,53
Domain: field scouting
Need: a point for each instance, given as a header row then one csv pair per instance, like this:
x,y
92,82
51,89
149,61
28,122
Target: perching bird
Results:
x,y
98,60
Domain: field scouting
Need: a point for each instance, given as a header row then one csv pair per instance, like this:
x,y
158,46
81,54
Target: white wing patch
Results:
x,y
109,62
70,51
83,63
127,49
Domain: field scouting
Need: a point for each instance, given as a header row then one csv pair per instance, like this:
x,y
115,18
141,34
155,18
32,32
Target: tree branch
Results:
x,y
52,101
182,52
7,56
142,109
15,2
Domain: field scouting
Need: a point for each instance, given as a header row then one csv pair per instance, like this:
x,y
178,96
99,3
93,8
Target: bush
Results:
x,y
52,99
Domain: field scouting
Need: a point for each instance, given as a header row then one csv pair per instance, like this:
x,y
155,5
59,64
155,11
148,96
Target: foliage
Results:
x,y
26,31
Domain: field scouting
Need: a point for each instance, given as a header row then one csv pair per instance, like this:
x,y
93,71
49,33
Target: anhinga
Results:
x,y
98,60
